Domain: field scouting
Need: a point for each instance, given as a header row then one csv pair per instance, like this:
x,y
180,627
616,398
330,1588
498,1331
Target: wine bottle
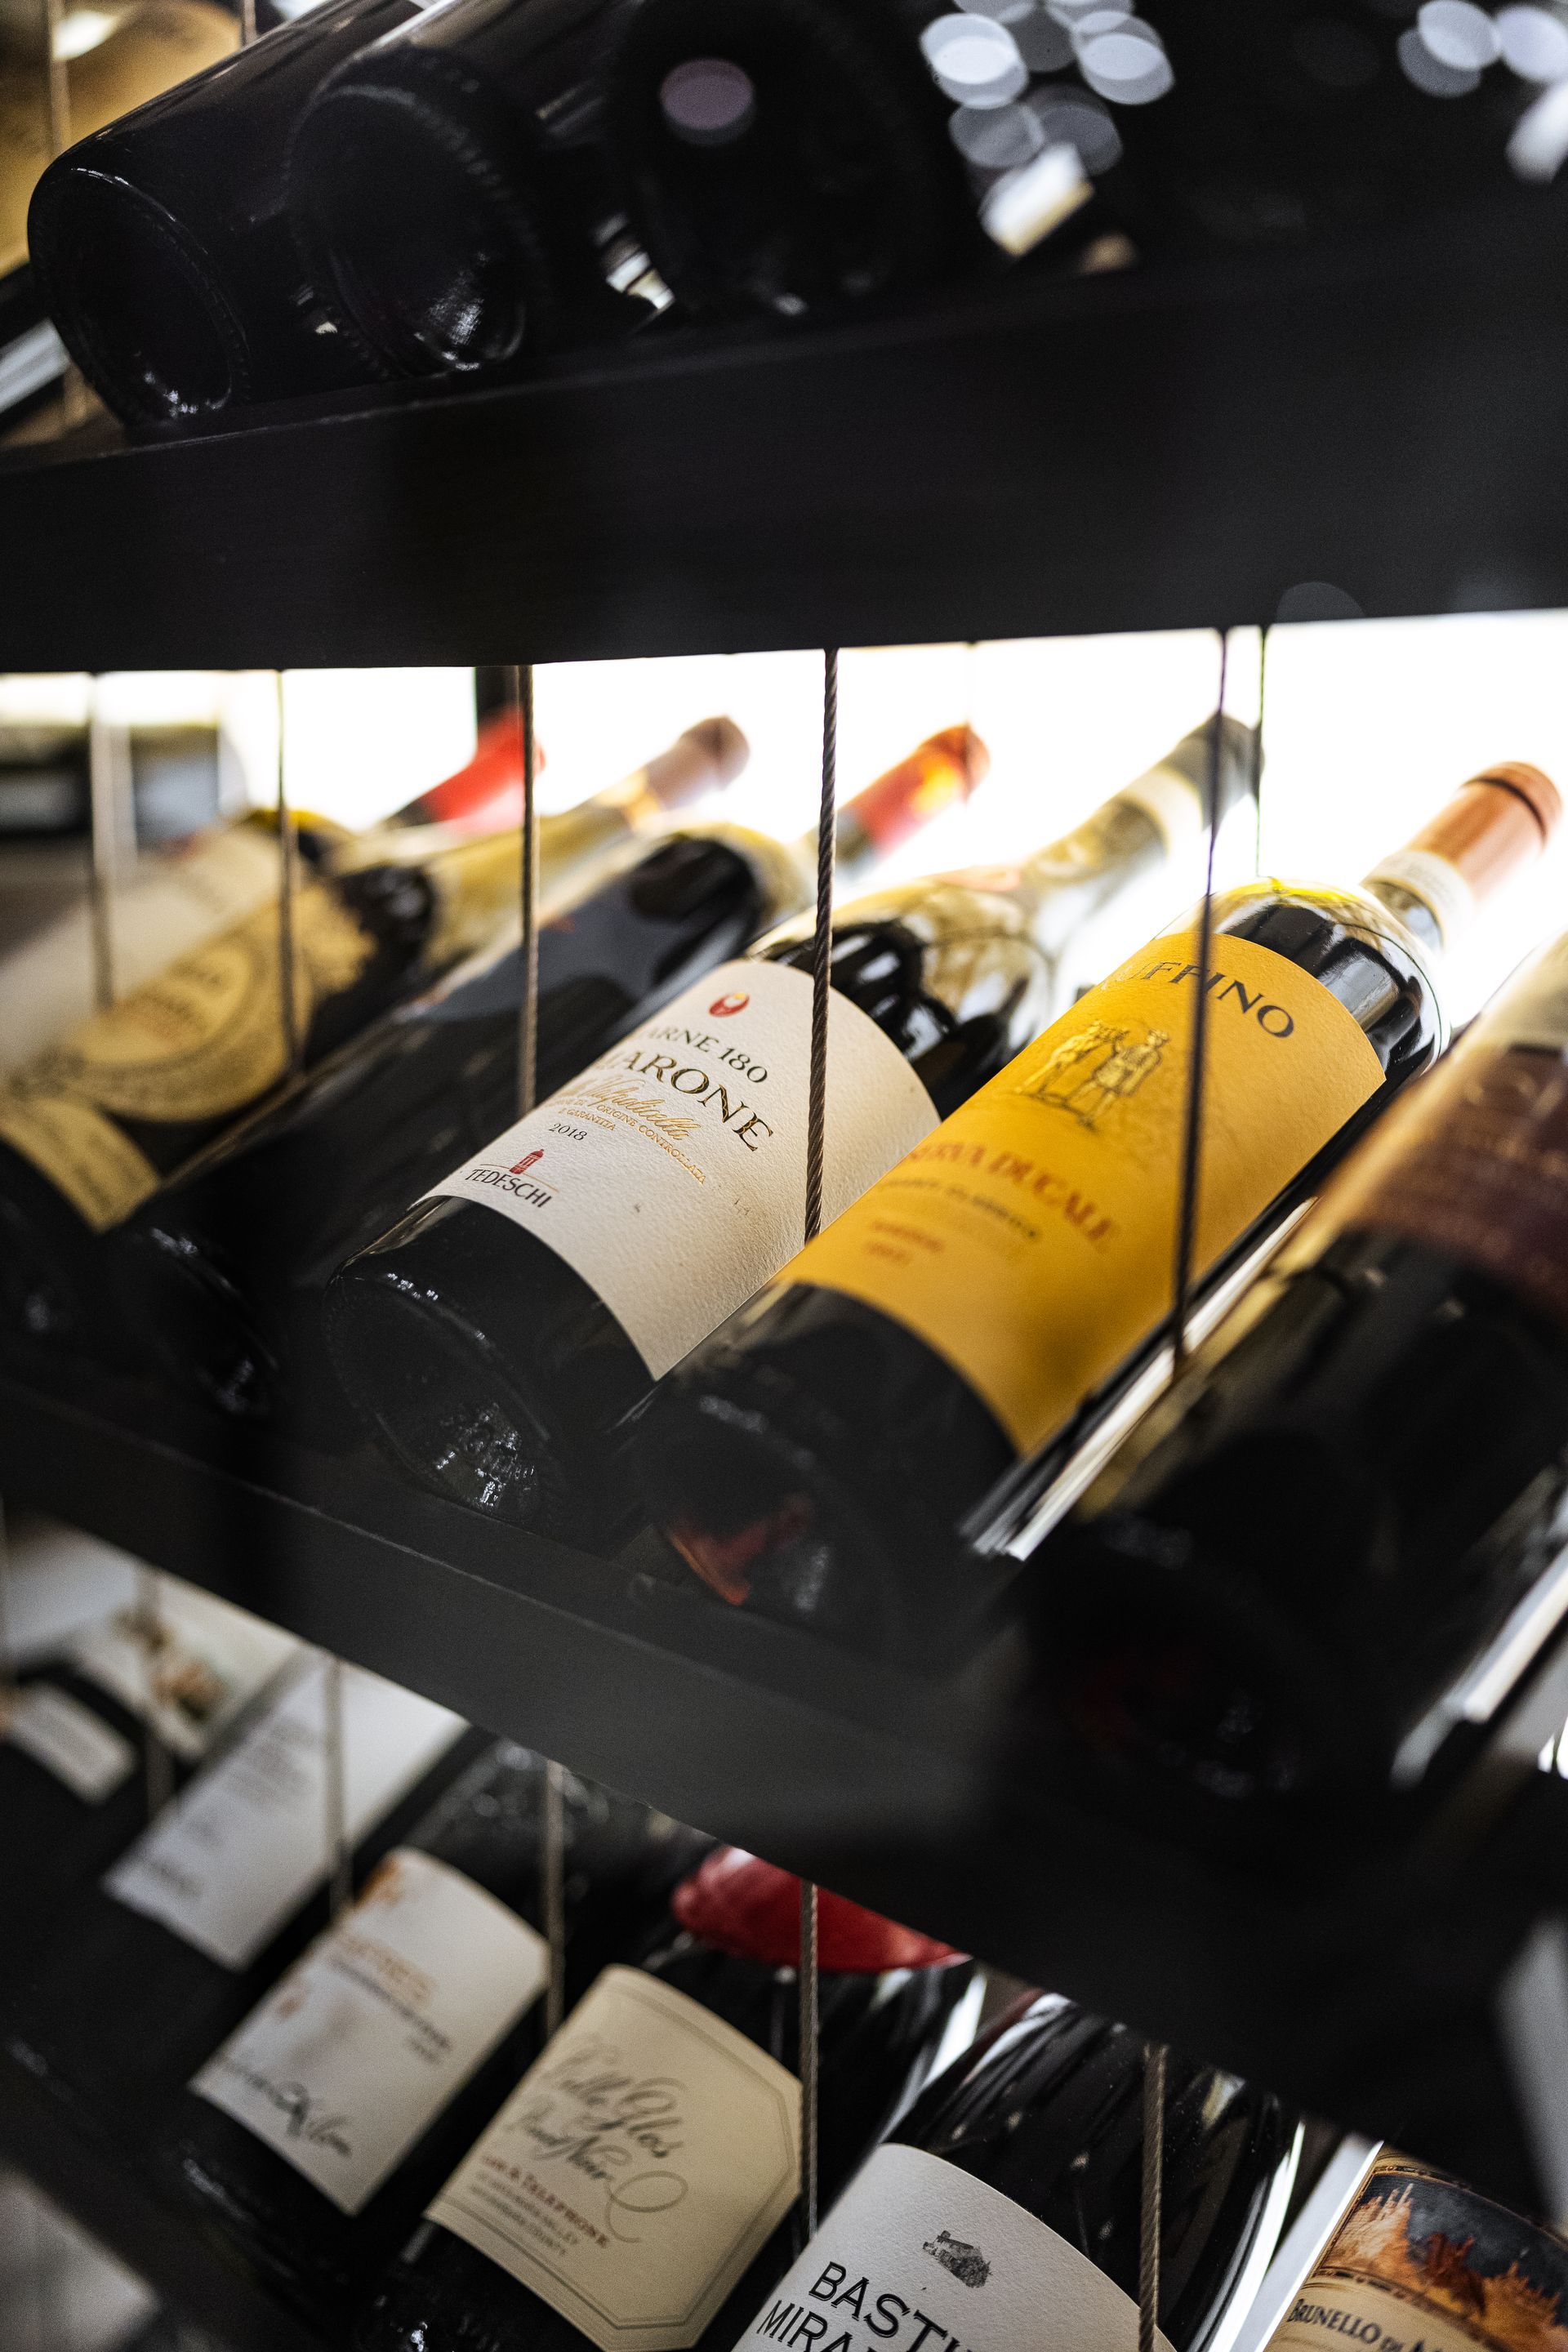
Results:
x,y
814,1458
1424,2258
691,2059
224,1270
497,1333
789,155
89,1127
164,249
450,190
1278,1596
149,1970
310,2142
1006,2209
78,1726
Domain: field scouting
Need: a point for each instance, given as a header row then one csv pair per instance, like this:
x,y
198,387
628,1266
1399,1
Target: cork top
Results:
x,y
1495,822
941,771
751,1910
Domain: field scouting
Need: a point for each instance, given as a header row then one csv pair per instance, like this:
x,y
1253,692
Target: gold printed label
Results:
x,y
200,1042
1030,1240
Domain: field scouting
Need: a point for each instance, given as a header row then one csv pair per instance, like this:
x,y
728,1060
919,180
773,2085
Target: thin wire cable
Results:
x,y
554,1861
7,1646
157,1764
334,1791
1154,2184
822,945
57,82
521,685
247,23
1192,1124
288,896
1258,751
111,816
809,2054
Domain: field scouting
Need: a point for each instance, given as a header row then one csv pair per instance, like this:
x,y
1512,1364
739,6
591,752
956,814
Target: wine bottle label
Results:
x,y
169,906
68,1740
186,1669
672,1175
365,2041
1031,1240
1475,1162
641,2163
236,1854
1422,2263
918,2255
1433,880
1168,798
200,1042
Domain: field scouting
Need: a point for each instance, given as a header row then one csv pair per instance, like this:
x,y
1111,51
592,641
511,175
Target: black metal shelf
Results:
x,y
1363,1984
1153,449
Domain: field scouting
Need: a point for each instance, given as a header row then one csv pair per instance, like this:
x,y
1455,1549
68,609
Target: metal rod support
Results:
x,y
1192,1123
334,1787
1150,2211
288,898
528,1031
554,1870
157,1764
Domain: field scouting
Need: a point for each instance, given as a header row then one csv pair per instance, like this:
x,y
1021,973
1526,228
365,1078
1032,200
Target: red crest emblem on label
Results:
x,y
736,1002
520,1167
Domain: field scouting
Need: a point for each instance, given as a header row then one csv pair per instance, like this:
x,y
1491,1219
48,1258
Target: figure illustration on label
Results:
x,y
1065,1084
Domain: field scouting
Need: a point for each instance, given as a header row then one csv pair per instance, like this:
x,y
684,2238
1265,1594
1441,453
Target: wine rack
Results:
x,y
1375,428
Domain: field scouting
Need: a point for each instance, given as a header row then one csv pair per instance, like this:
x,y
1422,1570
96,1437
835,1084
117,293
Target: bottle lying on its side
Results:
x,y
494,1338
814,1458
1330,1559
539,2238
222,1273
312,2139
146,1972
1006,2209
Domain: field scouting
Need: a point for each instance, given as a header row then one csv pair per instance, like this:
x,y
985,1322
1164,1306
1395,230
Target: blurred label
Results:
x,y
366,2040
685,1146
637,2168
1438,884
68,1740
918,2252
232,1859
185,1667
1030,1241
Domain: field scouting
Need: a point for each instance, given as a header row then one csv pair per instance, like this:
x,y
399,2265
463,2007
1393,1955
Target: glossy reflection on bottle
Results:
x,y
814,1458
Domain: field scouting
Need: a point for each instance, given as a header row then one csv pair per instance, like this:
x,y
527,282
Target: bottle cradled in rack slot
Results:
x,y
312,2140
494,1339
789,155
1005,2210
145,1688
223,1272
1421,2259
90,1126
145,1972
163,246
815,1458
1329,1561
451,190
543,2237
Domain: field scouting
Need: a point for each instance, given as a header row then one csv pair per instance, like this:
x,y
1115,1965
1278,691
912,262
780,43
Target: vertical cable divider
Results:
x,y
1258,751
1150,2210
157,1764
7,1643
1193,1120
108,788
287,905
334,1793
553,1859
815,1129
247,23
57,82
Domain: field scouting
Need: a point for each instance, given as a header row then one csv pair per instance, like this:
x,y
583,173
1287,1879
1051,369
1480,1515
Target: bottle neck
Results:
x,y
1130,836
1495,826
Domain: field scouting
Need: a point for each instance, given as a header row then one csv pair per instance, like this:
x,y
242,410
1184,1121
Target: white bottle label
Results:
x,y
366,2040
1437,884
233,1858
68,1740
672,1175
641,2163
918,2255
188,1671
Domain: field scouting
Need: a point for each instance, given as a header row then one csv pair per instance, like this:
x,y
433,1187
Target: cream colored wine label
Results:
x,y
365,2041
242,1847
186,1668
641,2163
672,1175
1030,1240
919,2256
1423,2264
87,1755
200,1042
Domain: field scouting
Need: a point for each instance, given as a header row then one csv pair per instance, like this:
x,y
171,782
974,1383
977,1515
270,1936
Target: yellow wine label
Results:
x,y
1031,1239
203,1041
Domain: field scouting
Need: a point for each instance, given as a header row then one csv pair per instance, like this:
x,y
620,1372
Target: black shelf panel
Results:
x,y
1155,449
1362,1984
